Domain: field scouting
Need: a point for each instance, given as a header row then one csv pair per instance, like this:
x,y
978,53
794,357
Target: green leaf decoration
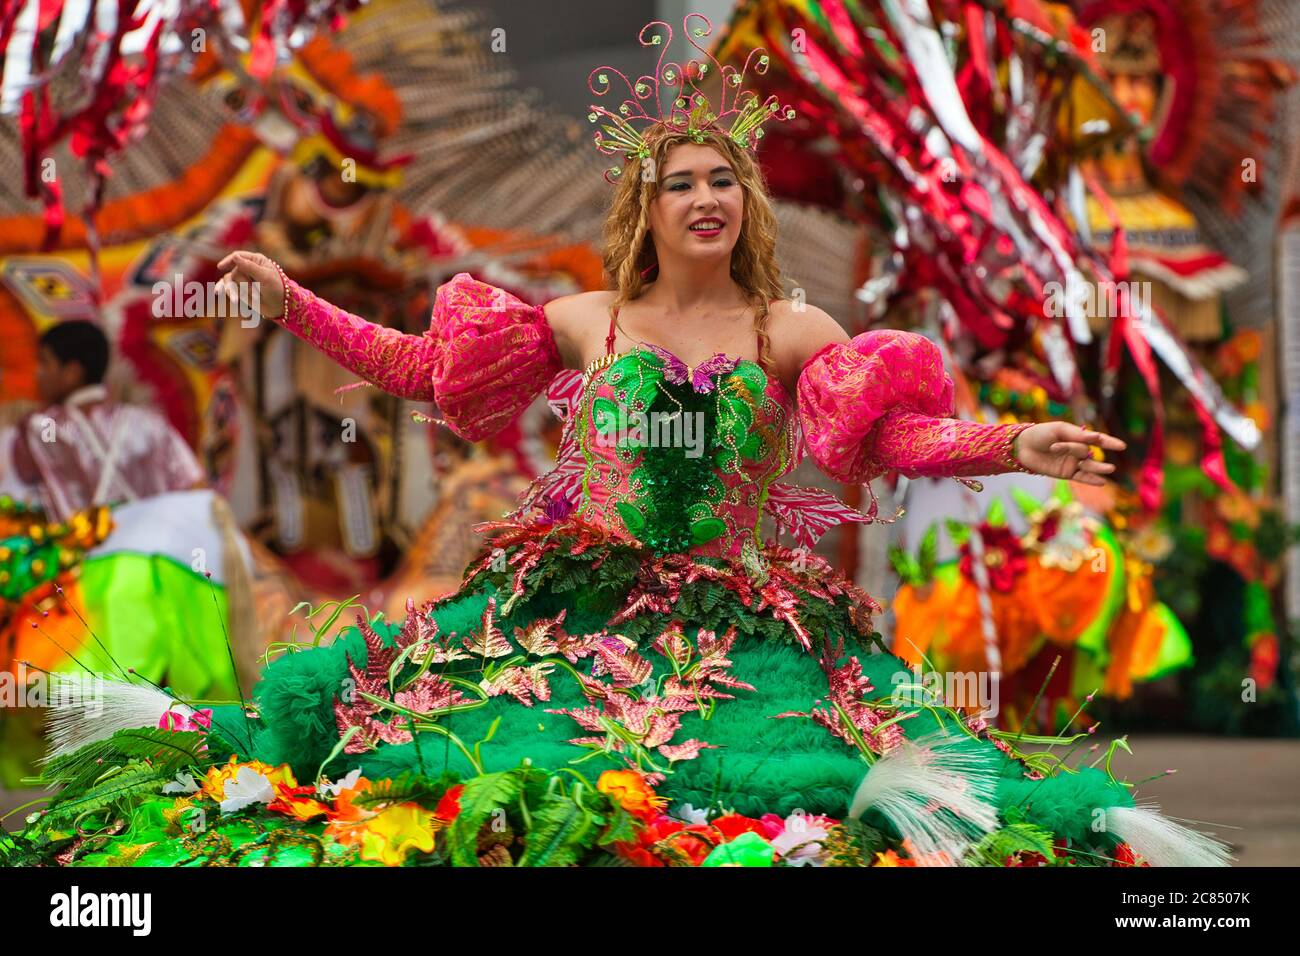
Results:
x,y
735,418
409,787
633,517
1018,837
958,532
752,447
561,830
622,828
752,374
927,554
1026,502
902,564
706,529
642,395
853,843
78,770
698,512
481,797
997,515
164,749
167,749
132,780
637,376
1062,491
607,415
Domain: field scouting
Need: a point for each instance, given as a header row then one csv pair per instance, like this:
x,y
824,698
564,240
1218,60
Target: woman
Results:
x,y
732,696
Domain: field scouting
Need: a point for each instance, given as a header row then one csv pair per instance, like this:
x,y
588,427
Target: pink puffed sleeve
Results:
x,y
882,402
495,354
485,356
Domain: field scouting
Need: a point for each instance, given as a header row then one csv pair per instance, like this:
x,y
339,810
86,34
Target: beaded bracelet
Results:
x,y
284,284
1009,450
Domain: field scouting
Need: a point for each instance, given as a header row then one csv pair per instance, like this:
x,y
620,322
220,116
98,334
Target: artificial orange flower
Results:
x,y
297,803
345,811
921,859
890,858
1258,413
629,790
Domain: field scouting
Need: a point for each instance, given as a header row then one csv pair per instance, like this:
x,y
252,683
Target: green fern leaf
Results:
x,y
1014,838
132,780
166,749
481,797
561,830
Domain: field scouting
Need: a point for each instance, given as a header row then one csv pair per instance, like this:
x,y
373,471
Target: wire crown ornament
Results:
x,y
740,114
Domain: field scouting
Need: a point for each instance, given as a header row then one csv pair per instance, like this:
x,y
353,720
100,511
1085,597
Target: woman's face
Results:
x,y
697,187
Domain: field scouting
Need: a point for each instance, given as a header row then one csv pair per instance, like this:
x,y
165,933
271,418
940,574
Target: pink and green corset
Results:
x,y
675,458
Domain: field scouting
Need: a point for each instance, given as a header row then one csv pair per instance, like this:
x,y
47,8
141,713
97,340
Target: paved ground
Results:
x,y
1248,790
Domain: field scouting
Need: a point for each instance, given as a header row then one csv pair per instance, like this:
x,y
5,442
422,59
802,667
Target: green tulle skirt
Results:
x,y
743,697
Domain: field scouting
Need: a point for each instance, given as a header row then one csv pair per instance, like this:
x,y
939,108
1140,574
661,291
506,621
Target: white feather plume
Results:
x,y
1162,842
85,708
937,792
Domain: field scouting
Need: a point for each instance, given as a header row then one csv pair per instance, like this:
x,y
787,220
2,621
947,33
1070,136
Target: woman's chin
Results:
x,y
708,249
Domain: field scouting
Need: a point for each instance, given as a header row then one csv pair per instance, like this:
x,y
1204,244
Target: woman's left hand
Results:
x,y
1062,450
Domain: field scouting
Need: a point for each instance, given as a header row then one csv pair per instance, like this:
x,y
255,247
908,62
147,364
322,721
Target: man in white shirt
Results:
x,y
82,448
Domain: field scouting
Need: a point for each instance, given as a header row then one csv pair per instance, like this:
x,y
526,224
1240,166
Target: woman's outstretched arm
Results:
x,y
883,402
486,356
399,363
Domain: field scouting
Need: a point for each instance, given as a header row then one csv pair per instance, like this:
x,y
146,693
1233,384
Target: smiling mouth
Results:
x,y
706,226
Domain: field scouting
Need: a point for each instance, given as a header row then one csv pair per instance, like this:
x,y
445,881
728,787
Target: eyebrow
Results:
x,y
687,172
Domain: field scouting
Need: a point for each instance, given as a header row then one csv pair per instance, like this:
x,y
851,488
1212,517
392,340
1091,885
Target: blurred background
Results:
x,y
1093,205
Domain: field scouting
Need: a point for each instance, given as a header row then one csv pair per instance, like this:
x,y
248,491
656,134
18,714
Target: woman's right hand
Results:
x,y
252,269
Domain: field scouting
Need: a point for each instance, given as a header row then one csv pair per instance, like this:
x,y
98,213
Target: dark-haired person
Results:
x,y
83,449
144,591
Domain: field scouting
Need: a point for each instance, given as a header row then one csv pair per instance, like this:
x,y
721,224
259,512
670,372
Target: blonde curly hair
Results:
x,y
629,245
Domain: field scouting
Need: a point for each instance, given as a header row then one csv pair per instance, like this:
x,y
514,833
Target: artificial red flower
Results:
x,y
1264,658
693,841
449,806
733,825
1004,557
1125,855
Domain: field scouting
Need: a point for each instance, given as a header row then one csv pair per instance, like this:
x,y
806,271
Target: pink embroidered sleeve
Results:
x,y
398,363
883,402
486,355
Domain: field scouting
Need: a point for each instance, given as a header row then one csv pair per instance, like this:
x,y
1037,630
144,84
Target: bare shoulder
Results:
x,y
796,331
577,320
573,307
801,320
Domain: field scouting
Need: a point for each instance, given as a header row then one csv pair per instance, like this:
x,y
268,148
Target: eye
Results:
x,y
679,186
724,181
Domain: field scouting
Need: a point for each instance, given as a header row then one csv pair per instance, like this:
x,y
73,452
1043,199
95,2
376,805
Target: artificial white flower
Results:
x,y
327,789
184,783
798,831
691,815
247,788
